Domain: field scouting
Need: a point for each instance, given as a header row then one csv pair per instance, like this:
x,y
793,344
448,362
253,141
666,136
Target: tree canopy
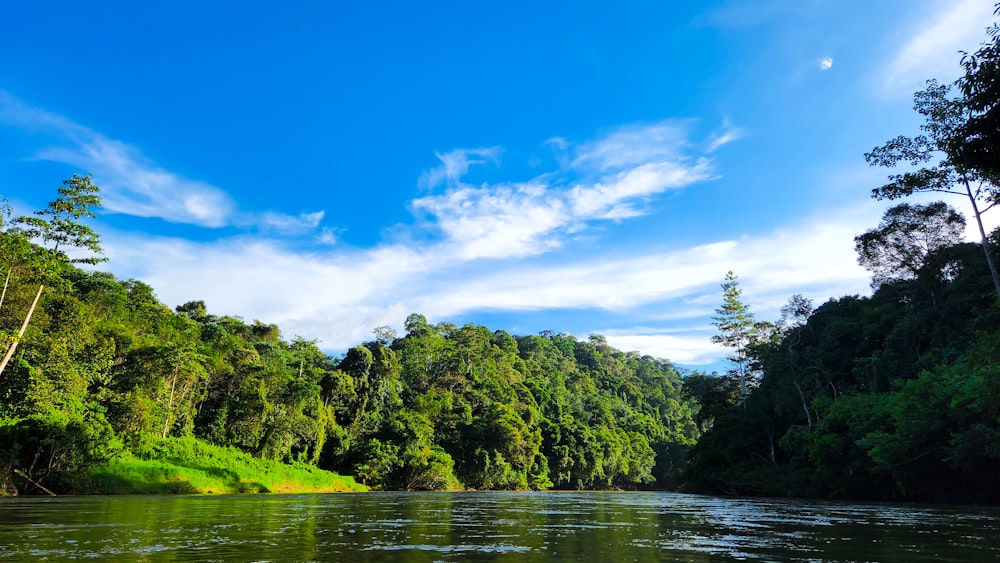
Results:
x,y
106,370
899,247
940,154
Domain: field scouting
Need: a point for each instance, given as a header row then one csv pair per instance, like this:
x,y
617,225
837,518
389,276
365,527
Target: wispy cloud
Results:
x,y
132,184
727,134
933,48
288,224
616,197
608,179
327,236
692,347
778,263
337,297
826,63
634,145
456,163
497,221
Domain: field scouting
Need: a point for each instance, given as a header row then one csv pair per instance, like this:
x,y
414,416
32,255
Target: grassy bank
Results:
x,y
186,465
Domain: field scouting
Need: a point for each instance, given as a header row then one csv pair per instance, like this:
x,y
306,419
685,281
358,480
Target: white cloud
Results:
x,y
613,199
817,253
289,224
634,145
456,163
609,179
337,297
726,135
497,222
692,347
133,185
327,236
826,63
932,50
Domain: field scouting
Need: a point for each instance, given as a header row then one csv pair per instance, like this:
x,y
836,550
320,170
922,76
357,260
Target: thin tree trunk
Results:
x,y
33,482
805,407
170,403
6,280
985,240
24,327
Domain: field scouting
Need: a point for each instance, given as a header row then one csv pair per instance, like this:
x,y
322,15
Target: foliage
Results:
x,y
892,396
442,407
980,87
940,151
51,451
739,331
907,234
78,197
187,465
61,229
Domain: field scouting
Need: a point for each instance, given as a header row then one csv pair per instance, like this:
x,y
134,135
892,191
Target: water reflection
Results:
x,y
418,527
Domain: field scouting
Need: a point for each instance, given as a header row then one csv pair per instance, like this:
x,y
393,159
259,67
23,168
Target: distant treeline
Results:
x,y
104,370
894,396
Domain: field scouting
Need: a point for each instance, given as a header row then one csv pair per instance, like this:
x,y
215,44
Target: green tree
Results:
x,y
944,168
906,236
738,330
979,148
59,225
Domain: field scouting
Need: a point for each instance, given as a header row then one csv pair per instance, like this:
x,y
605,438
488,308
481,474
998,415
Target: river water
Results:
x,y
524,527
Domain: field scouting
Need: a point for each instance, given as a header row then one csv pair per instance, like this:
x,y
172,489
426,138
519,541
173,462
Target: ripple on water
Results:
x,y
492,527
457,548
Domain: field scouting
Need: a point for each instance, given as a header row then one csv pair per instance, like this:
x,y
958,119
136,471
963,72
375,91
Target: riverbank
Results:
x,y
190,466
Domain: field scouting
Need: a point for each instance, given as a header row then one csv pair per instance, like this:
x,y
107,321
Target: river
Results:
x,y
524,527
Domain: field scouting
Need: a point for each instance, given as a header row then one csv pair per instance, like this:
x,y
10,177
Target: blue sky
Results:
x,y
566,166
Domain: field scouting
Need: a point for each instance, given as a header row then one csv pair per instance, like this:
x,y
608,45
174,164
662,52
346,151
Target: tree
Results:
x,y
384,334
58,225
979,148
738,331
898,248
942,141
795,313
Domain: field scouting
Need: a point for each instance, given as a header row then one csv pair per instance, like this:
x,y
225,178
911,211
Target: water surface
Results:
x,y
432,527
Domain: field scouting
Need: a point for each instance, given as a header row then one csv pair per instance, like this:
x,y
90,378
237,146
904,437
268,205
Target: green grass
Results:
x,y
186,465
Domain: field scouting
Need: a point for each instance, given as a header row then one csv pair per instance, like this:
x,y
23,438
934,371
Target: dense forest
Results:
x,y
891,396
104,370
897,395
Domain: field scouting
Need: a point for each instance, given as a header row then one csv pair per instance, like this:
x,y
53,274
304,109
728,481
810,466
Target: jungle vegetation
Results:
x,y
895,395
103,375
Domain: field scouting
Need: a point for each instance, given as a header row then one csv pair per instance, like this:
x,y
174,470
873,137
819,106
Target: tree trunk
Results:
x,y
805,406
20,333
6,280
170,403
984,239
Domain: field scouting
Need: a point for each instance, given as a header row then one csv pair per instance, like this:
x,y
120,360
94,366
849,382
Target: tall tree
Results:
x,y
737,331
944,168
58,228
907,234
980,86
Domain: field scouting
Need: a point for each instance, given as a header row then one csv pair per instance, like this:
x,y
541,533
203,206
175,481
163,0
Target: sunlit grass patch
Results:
x,y
186,465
